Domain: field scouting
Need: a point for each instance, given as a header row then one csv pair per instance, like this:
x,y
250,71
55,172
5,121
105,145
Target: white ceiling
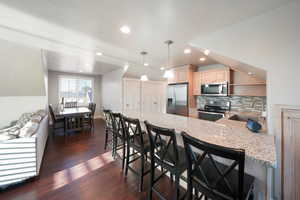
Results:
x,y
76,64
151,22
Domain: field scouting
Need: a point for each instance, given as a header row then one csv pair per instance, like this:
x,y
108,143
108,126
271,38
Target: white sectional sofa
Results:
x,y
22,147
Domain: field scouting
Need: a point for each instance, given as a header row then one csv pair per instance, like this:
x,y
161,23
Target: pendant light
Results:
x,y
168,73
144,77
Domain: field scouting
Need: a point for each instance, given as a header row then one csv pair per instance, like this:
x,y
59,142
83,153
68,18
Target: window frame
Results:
x,y
76,78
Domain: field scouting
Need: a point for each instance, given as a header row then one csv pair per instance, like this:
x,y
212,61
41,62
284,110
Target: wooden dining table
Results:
x,y
73,117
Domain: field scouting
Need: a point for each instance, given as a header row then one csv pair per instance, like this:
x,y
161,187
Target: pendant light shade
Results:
x,y
168,73
144,78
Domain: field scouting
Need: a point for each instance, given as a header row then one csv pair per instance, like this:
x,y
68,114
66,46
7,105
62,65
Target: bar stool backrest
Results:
x,y
209,153
133,132
118,124
108,118
163,145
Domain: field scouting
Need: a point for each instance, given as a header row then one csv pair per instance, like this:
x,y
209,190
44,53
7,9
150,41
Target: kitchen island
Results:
x,y
259,147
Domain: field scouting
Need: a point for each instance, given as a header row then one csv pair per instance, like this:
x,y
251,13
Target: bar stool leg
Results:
x,y
176,186
127,160
124,154
106,135
142,172
152,175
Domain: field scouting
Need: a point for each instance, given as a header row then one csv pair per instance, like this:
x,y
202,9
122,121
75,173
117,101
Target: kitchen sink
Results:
x,y
242,118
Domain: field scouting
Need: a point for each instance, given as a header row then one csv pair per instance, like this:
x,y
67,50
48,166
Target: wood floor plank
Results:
x,y
77,167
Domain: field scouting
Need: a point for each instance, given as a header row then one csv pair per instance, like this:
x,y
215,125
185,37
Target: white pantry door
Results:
x,y
131,95
153,96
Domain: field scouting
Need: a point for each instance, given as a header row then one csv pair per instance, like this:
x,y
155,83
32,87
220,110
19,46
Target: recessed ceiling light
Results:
x,y
126,66
146,64
206,51
187,51
99,54
162,68
202,59
80,70
125,29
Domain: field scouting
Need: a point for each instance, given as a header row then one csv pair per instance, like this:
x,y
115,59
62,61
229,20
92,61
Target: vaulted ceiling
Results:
x,y
151,22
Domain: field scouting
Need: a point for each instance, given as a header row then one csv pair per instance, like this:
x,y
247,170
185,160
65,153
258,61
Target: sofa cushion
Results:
x,y
24,119
29,129
41,113
36,118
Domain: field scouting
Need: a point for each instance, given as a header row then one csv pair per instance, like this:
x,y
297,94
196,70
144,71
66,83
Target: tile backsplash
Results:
x,y
238,103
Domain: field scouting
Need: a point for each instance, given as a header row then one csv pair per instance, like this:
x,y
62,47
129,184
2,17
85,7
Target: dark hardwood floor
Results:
x,y
77,167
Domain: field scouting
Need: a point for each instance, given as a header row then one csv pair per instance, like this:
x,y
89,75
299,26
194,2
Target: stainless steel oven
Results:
x,y
210,116
214,89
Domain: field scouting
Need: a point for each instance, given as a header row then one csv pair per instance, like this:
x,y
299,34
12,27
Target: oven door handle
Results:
x,y
211,113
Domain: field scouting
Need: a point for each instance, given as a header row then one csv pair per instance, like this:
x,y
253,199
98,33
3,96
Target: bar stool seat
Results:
x,y
166,154
210,178
136,144
181,165
212,175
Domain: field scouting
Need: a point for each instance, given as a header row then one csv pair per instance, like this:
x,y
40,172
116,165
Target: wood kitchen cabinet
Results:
x,y
197,83
215,76
181,74
208,77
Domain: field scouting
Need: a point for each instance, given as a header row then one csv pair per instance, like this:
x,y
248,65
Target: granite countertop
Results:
x,y
259,147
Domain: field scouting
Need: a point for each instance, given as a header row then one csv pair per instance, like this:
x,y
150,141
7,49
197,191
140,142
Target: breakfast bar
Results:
x,y
259,147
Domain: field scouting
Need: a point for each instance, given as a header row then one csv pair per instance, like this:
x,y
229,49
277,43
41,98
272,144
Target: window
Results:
x,y
79,89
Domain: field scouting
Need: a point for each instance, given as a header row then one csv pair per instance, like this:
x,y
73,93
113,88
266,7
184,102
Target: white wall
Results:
x,y
112,90
14,106
21,70
22,81
272,42
53,88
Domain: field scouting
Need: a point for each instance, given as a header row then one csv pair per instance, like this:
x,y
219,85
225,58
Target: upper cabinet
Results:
x,y
181,74
215,76
209,76
197,83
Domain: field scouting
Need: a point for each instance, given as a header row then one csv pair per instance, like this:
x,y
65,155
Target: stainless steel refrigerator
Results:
x,y
177,101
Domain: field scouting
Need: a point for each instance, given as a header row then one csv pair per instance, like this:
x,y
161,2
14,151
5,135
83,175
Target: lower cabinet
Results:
x,y
144,96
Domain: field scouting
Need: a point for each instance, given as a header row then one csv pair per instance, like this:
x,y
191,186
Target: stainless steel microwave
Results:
x,y
215,89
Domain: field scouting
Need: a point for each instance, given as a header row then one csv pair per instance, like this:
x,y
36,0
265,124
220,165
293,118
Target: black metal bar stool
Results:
x,y
166,154
138,141
119,139
108,128
212,179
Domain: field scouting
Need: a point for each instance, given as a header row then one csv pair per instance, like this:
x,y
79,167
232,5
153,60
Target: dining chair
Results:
x,y
119,138
138,142
168,155
57,123
92,107
71,104
108,128
212,179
